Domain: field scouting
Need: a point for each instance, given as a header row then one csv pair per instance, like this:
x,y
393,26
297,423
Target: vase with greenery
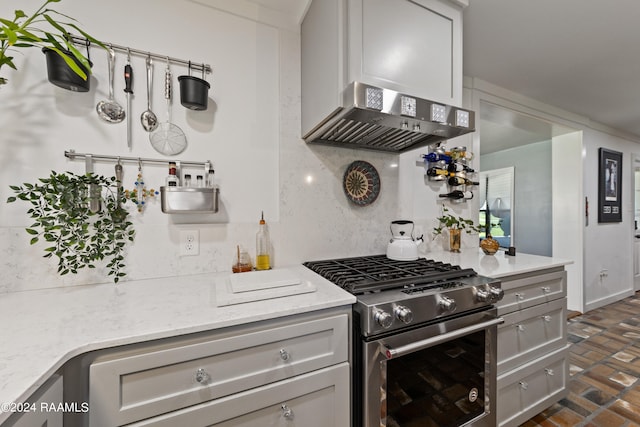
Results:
x,y
45,28
455,224
64,215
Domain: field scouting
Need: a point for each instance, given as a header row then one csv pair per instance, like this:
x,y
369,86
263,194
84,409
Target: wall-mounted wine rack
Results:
x,y
451,167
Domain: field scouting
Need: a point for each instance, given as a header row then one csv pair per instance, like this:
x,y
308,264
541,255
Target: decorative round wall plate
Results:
x,y
361,183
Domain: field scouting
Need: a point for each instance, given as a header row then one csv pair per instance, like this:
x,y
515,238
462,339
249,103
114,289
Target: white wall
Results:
x,y
251,133
532,219
608,246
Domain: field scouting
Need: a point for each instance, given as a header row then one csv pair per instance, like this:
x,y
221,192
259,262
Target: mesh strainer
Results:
x,y
168,139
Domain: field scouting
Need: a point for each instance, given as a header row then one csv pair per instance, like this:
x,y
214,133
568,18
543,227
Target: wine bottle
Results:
x,y
459,167
436,157
457,194
458,180
460,153
437,172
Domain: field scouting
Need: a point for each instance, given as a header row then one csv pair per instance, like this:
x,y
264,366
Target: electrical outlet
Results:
x,y
189,242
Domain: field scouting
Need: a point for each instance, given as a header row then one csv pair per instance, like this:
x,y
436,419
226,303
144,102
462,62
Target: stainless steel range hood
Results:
x,y
384,120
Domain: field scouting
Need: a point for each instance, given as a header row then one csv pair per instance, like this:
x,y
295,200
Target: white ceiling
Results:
x,y
579,55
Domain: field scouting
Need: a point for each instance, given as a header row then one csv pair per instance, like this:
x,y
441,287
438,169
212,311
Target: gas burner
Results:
x,y
360,275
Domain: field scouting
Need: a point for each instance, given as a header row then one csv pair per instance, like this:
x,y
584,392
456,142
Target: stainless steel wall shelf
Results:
x,y
189,199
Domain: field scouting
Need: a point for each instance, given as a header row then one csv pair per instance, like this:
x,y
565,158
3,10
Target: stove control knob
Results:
x,y
447,304
496,293
383,318
483,295
404,314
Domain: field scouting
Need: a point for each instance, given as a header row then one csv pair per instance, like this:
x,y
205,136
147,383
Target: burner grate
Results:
x,y
377,272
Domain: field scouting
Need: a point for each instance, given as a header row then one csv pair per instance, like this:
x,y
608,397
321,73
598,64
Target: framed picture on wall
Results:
x,y
610,186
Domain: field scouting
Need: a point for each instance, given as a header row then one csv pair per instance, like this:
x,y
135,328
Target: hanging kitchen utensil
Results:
x,y
194,91
148,118
128,81
109,110
60,74
120,214
93,189
168,139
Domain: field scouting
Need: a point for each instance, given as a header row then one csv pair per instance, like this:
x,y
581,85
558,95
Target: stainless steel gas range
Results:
x,y
424,343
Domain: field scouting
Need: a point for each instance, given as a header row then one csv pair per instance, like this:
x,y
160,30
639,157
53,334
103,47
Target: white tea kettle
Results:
x,y
402,246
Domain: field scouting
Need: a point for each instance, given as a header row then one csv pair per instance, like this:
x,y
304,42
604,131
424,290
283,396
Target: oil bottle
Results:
x,y
263,260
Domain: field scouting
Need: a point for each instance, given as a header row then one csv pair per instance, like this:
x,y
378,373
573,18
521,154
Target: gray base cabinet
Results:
x,y
291,371
533,364
44,407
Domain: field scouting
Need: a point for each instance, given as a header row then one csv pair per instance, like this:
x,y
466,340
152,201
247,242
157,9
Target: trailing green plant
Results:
x,y
447,221
42,29
78,236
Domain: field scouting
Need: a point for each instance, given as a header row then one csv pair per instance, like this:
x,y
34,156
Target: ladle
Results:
x,y
148,118
109,110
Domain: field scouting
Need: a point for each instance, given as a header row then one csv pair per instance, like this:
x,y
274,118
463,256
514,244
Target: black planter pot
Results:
x,y
194,92
61,75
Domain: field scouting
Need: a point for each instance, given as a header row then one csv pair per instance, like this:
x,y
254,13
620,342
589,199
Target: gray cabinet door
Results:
x,y
43,407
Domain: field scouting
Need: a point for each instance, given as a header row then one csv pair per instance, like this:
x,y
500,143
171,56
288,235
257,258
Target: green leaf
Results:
x,y
33,241
11,199
31,231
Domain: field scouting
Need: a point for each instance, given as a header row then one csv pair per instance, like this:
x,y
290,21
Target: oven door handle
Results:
x,y
392,353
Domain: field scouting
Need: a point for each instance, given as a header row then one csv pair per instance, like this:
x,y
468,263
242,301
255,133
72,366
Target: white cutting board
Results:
x,y
253,286
266,279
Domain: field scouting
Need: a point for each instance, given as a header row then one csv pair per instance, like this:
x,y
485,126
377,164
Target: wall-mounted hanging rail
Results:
x,y
194,66
71,154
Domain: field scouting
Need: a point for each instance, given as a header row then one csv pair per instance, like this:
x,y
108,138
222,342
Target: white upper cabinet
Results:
x,y
413,47
408,46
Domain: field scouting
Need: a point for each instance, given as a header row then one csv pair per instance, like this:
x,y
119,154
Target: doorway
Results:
x,y
504,126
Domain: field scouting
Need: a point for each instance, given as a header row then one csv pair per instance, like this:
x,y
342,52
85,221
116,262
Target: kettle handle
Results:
x,y
402,222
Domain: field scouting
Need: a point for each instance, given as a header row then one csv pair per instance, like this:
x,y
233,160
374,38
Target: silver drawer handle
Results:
x,y
546,289
520,328
287,412
284,354
202,376
524,385
546,318
549,371
520,296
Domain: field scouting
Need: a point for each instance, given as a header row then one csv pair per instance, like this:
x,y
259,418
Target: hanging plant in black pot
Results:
x,y
45,28
62,75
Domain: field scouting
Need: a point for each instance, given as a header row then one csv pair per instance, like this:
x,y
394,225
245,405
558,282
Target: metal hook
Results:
x,y
128,55
139,163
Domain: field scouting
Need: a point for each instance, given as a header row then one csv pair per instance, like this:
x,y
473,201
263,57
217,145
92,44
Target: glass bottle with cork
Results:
x,y
263,258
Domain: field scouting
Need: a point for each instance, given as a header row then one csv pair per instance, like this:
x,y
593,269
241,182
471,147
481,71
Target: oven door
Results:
x,y
442,374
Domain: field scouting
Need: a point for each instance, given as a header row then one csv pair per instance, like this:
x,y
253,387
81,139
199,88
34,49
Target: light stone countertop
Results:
x,y
43,329
498,265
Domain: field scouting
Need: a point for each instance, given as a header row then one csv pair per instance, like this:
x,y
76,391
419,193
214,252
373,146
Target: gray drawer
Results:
x,y
526,391
532,289
317,399
531,333
131,387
